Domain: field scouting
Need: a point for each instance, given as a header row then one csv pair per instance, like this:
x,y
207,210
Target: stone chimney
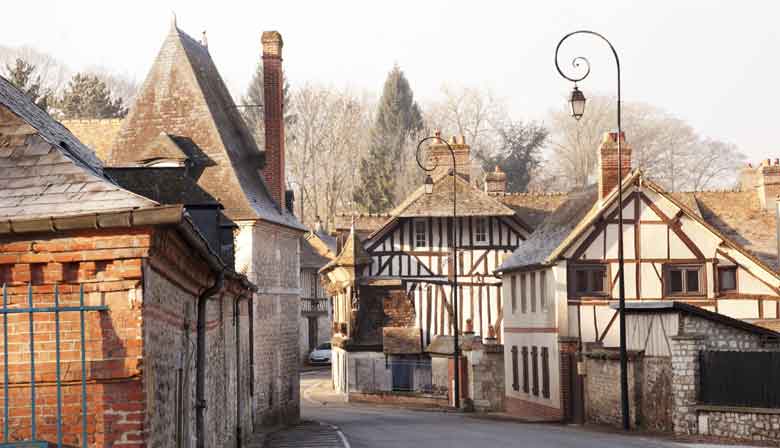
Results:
x,y
608,162
439,155
765,180
273,109
495,182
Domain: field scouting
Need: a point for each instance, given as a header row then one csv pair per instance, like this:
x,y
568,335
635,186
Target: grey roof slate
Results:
x,y
45,171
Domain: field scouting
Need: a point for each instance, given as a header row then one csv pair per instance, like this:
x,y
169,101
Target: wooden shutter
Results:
x,y
525,370
515,370
545,373
535,369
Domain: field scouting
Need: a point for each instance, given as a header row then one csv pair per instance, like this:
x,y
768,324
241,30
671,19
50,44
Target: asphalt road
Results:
x,y
385,427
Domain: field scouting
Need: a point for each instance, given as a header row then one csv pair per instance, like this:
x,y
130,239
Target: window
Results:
x,y
727,278
515,370
420,234
542,290
525,369
545,373
683,279
590,280
522,293
513,291
535,369
533,292
315,281
480,233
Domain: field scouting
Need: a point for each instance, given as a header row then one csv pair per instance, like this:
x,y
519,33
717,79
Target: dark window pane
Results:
x,y
598,280
728,279
692,280
675,281
581,281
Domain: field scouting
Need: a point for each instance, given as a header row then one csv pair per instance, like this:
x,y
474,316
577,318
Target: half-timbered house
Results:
x,y
394,293
715,250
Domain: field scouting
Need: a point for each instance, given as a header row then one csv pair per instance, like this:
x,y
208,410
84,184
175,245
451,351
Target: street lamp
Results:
x,y
428,184
577,104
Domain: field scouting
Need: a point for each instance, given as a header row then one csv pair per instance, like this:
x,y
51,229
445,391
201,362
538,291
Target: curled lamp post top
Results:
x,y
436,161
579,61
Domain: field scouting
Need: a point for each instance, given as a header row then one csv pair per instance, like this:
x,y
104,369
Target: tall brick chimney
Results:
x,y
608,161
273,109
439,155
765,179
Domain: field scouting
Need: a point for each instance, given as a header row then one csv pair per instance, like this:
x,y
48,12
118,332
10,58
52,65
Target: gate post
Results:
x,y
685,382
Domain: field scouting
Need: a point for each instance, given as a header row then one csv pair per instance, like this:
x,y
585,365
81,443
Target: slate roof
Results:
x,y
533,208
470,201
311,257
165,185
45,171
184,96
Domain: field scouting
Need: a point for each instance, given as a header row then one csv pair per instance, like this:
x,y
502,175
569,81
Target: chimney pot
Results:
x,y
453,140
204,41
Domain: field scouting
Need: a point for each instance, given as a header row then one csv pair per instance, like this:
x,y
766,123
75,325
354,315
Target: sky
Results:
x,y
712,63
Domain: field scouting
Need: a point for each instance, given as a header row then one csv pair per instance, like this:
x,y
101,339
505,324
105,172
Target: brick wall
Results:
x,y
608,162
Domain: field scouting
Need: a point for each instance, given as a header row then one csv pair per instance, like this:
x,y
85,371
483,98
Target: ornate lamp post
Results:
x,y
577,104
428,184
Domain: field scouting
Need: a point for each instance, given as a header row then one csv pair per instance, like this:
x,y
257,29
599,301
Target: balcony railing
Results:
x,y
309,305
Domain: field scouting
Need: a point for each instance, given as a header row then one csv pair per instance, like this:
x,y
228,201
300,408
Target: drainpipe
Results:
x,y
237,325
200,380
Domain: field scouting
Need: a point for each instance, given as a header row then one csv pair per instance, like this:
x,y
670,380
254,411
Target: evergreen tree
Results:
x,y
253,105
86,96
21,75
519,153
398,119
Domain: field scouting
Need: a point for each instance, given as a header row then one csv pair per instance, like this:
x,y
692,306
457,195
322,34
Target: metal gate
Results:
x,y
30,309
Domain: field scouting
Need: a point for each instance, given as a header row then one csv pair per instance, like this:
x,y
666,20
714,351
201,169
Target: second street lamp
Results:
x,y
577,104
428,184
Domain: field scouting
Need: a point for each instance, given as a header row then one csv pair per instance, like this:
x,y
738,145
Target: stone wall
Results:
x,y
602,387
761,425
485,376
274,268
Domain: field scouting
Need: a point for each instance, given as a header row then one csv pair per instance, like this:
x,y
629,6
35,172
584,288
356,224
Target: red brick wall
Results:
x,y
608,162
530,410
273,108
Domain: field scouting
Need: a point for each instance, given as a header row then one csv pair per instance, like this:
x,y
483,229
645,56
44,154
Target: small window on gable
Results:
x,y
480,231
590,280
683,280
420,234
727,278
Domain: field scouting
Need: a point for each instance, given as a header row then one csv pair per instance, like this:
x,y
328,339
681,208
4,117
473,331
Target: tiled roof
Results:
x,y
532,208
310,258
739,216
352,254
164,185
97,134
184,96
45,171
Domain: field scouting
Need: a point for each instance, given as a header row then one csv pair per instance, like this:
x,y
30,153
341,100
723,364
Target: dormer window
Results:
x,y
480,231
420,234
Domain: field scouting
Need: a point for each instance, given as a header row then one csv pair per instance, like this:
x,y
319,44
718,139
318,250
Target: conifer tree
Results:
x,y
21,75
398,118
86,96
253,101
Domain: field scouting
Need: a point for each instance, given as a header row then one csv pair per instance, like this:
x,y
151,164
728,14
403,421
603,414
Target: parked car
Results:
x,y
321,354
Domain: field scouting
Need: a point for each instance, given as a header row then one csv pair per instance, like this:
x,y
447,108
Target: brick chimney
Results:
x,y
495,182
608,161
273,109
765,180
439,155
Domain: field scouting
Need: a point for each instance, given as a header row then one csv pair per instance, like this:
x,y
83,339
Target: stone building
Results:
x,y
715,250
669,345
185,121
391,282
317,249
174,328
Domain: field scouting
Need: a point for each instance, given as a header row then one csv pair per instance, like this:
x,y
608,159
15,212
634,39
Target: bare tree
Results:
x,y
52,72
665,147
330,139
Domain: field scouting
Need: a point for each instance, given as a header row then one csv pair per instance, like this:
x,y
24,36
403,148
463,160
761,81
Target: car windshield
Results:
x,y
324,346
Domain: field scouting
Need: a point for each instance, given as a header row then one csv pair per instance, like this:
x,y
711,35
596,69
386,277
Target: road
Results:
x,y
385,427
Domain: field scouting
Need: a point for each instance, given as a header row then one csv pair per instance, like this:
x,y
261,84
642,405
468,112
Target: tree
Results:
x,y
322,159
390,154
518,154
22,75
253,102
52,72
86,96
665,147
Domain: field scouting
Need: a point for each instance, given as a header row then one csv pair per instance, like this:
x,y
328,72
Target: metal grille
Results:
x,y
28,357
739,379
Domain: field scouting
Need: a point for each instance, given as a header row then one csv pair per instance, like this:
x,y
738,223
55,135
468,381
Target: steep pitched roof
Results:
x,y
351,255
317,249
170,185
183,95
45,171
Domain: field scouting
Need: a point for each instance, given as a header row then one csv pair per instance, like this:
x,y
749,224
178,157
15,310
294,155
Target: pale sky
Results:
x,y
712,63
